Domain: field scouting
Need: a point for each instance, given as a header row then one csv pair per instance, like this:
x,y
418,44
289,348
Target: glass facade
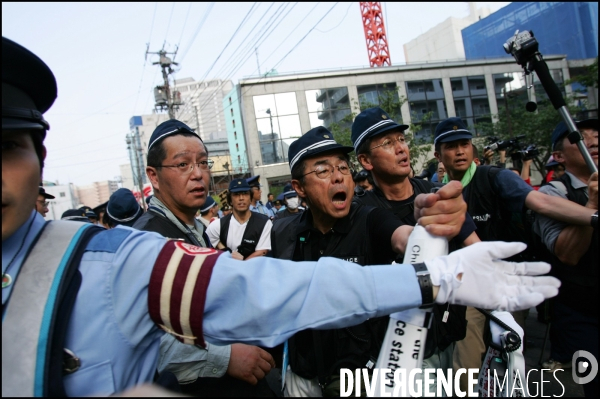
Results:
x,y
427,106
327,106
374,95
278,125
470,100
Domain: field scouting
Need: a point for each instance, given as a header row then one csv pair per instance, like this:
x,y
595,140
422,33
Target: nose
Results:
x,y
197,173
337,176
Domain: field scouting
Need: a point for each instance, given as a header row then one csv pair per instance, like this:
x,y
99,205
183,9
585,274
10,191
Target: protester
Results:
x,y
109,343
256,205
245,233
494,196
41,205
573,252
382,149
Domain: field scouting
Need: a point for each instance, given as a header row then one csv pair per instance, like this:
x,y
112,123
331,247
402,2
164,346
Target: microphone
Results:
x,y
531,106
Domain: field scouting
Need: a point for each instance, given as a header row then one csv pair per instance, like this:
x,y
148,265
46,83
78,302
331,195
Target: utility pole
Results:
x,y
136,157
164,99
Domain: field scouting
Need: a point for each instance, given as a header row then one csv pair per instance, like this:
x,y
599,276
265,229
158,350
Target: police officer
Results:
x,y
57,312
292,204
209,211
41,205
493,197
76,215
245,233
122,208
573,252
256,192
364,180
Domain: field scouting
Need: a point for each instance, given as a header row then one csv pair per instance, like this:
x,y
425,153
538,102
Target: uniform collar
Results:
x,y
575,182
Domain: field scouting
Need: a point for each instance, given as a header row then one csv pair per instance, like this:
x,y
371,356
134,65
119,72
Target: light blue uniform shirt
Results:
x,y
260,208
261,301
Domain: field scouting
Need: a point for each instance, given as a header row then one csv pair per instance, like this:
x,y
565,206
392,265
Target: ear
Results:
x,y
365,161
152,174
299,188
558,156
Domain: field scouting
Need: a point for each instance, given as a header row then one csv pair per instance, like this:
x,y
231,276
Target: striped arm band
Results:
x,y
177,290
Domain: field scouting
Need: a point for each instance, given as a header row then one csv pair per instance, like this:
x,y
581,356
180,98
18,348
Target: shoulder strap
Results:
x,y
560,186
39,292
252,233
225,229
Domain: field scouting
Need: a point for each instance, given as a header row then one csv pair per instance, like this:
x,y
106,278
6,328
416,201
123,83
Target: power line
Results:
x,y
206,13
169,24
91,141
145,59
329,30
184,23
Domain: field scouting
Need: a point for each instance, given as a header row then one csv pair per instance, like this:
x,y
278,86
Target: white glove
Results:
x,y
476,276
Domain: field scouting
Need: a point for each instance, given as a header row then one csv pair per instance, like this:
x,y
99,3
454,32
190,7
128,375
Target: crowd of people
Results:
x,y
207,300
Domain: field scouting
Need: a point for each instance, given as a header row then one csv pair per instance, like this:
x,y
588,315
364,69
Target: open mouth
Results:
x,y
339,199
198,191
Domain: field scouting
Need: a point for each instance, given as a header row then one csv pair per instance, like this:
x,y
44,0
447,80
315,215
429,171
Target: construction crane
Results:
x,y
377,45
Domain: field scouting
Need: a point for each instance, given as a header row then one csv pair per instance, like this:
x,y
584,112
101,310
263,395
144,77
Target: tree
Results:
x,y
390,103
589,78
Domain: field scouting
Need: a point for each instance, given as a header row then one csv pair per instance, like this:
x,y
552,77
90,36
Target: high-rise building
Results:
x,y
96,193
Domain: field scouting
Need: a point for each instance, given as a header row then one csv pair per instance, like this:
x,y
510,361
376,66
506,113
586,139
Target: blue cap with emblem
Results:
x,y
168,128
123,208
254,181
77,215
210,202
315,141
370,123
451,129
28,88
238,186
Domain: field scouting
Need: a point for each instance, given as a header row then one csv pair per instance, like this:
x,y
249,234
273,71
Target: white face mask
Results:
x,y
292,203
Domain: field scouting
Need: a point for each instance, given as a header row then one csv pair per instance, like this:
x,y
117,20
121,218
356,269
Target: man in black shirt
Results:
x,y
335,226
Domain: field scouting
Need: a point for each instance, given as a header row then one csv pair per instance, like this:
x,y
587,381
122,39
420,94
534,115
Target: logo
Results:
x,y
326,136
194,250
383,116
582,367
454,127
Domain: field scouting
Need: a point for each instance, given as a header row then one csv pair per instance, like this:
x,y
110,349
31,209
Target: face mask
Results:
x,y
292,203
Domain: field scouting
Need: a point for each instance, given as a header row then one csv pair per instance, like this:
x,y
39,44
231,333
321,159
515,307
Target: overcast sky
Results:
x,y
97,53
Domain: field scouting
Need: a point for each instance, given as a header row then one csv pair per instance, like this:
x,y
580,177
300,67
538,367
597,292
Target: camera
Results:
x,y
499,145
522,46
526,154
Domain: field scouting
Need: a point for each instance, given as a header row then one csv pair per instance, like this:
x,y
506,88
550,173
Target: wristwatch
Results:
x,y
594,221
425,284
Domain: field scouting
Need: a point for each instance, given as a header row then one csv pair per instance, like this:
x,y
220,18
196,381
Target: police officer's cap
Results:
x,y
280,198
76,215
123,208
148,198
45,194
370,123
28,88
89,213
362,175
451,129
168,128
210,202
100,208
316,141
551,162
225,207
561,130
238,186
254,181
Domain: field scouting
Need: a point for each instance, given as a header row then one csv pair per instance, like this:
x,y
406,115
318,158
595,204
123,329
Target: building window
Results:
x,y
239,160
278,125
62,194
380,95
427,106
233,121
237,147
471,101
230,103
327,106
235,135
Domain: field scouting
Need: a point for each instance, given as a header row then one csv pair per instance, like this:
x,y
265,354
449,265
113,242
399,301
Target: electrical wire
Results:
x,y
145,60
206,13
169,25
329,30
184,23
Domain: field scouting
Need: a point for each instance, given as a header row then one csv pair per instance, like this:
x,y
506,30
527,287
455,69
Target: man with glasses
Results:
x,y
178,168
335,226
41,205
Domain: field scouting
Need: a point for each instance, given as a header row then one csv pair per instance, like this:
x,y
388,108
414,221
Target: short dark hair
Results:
x,y
365,147
559,145
38,145
158,152
229,195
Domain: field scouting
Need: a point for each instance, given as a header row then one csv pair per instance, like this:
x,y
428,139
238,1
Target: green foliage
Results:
x,y
537,126
589,78
390,103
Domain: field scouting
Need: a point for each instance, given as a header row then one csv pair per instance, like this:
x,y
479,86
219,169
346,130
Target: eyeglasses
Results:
x,y
44,203
326,170
389,143
185,168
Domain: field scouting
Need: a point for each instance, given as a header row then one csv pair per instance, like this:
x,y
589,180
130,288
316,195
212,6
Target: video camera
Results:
x,y
526,153
499,145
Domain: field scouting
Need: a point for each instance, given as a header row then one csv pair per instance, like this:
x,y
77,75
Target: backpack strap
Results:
x,y
254,229
32,318
225,229
560,186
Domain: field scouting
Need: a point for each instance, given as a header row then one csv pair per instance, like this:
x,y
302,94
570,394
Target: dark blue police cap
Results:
x,y
280,198
88,212
148,198
362,175
168,128
28,88
370,123
210,202
254,181
238,186
43,192
123,208
77,215
313,142
561,130
451,129
100,208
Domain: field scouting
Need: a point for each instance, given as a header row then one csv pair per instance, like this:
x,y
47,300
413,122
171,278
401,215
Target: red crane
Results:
x,y
377,45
